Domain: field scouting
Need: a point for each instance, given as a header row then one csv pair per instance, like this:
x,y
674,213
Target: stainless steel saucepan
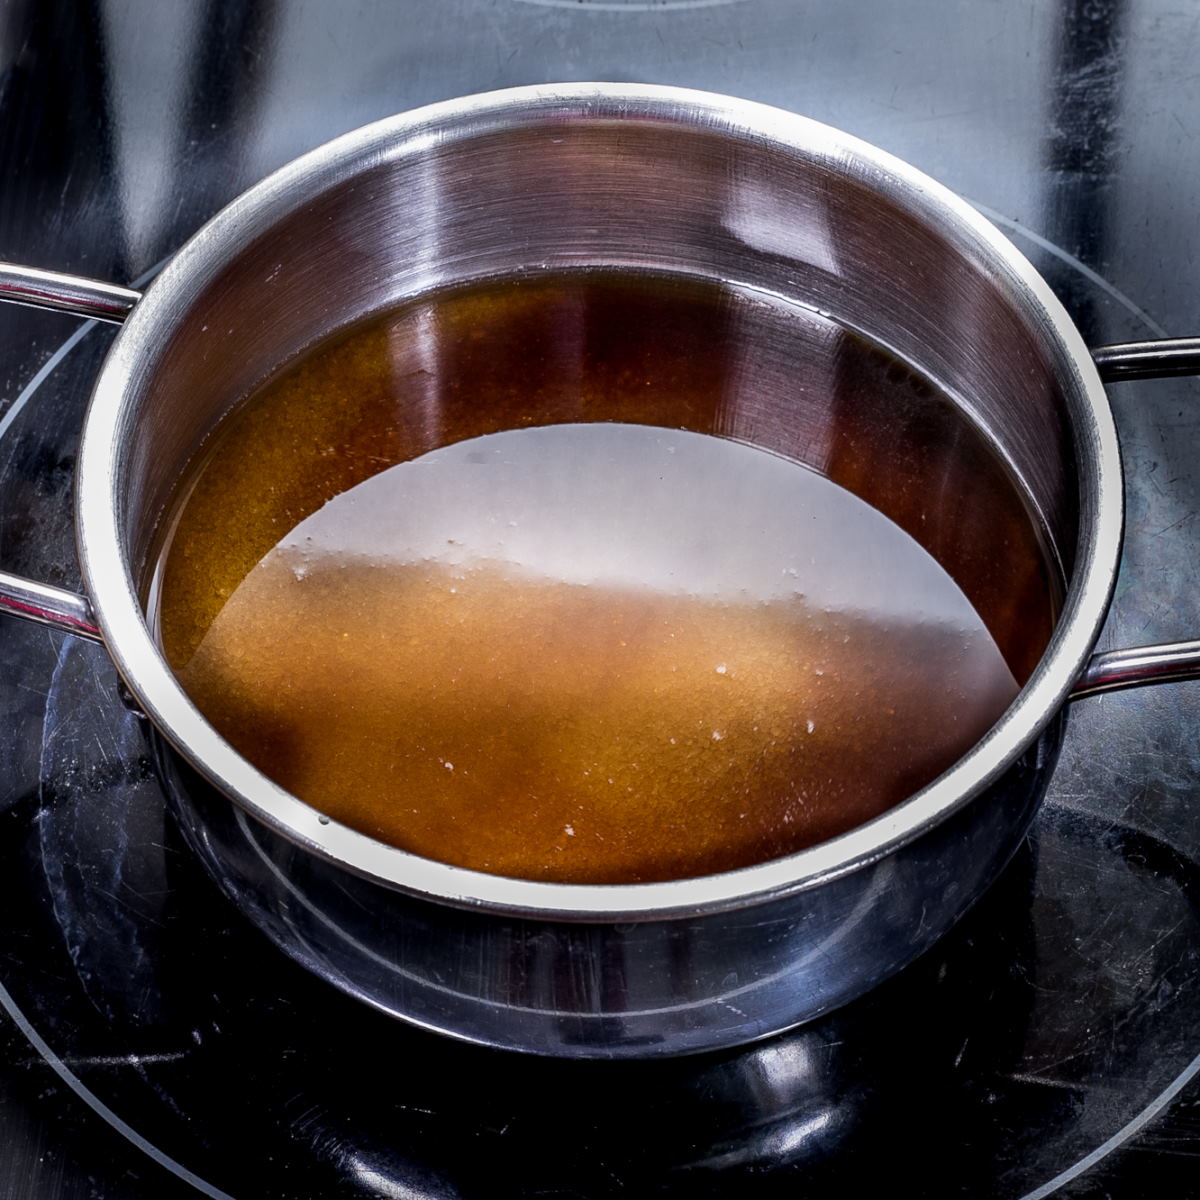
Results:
x,y
620,176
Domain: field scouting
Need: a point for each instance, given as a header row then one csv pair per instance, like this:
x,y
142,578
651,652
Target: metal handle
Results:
x,y
1148,360
47,605
40,602
1116,669
1141,665
66,293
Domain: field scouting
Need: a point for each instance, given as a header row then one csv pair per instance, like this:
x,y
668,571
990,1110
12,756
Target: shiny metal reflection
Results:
x,y
644,178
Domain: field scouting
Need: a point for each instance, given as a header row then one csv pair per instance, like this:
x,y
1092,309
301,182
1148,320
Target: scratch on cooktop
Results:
x,y
75,1062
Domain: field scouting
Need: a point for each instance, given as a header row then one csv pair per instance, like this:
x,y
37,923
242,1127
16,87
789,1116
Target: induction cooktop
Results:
x,y
153,1044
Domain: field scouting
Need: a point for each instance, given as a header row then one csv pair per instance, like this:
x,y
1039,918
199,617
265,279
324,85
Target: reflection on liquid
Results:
x,y
599,653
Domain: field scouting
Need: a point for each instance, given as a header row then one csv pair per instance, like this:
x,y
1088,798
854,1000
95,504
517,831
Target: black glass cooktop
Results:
x,y
154,1045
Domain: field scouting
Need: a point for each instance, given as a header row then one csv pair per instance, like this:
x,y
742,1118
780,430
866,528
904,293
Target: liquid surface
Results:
x,y
597,653
436,583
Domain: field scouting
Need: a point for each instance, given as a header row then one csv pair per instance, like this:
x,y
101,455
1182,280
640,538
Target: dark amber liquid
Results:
x,y
421,588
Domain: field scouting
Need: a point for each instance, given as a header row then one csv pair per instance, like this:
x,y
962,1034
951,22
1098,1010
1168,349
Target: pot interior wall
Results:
x,y
561,189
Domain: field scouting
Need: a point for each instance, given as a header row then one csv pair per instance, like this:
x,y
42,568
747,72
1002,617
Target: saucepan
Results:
x,y
616,176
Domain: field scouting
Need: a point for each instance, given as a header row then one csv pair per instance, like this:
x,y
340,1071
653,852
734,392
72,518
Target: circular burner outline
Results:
x,y
93,1101
43,373
1138,1122
1118,1139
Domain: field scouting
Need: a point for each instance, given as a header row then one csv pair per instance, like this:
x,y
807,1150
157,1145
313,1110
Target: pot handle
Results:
x,y
66,293
1140,665
1137,666
48,605
90,298
1162,359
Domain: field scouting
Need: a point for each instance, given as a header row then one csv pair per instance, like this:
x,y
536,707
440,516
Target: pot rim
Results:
x,y
133,648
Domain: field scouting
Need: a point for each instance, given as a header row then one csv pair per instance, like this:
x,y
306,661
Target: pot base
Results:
x,y
577,989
